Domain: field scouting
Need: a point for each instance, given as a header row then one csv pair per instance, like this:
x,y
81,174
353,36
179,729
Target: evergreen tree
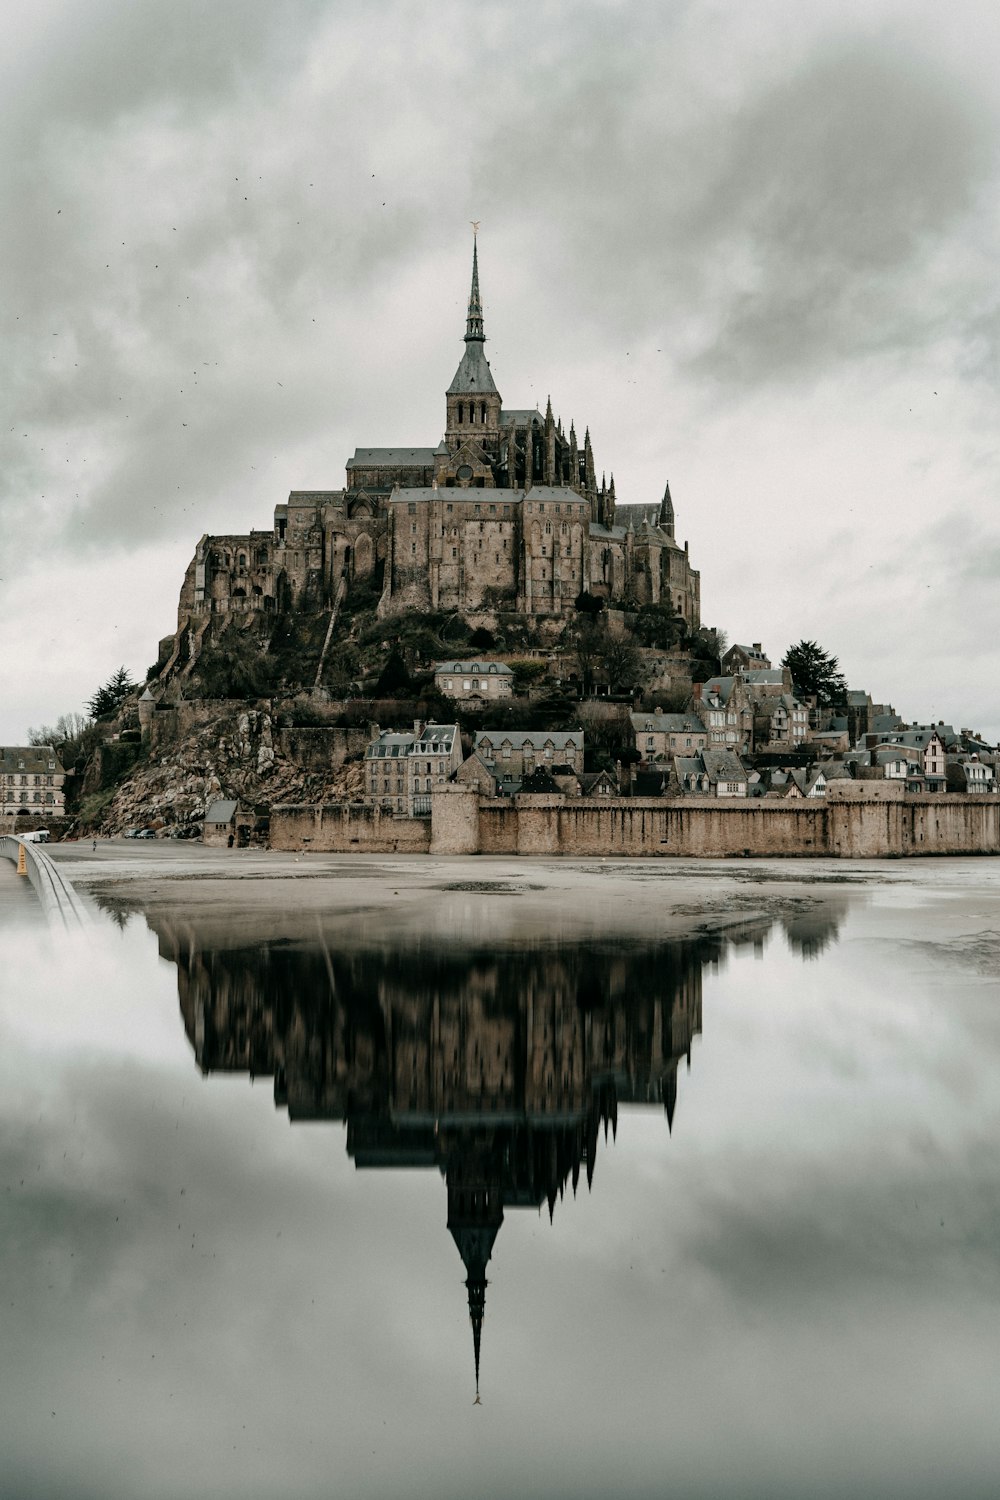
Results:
x,y
107,699
815,674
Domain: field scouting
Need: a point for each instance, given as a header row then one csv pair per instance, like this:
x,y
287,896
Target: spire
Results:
x,y
666,519
477,1306
473,374
474,321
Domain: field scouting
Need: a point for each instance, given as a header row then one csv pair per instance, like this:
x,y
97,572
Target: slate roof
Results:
x,y
723,765
723,686
36,758
475,668
520,416
473,373
536,739
761,676
436,737
389,746
221,811
375,458
666,724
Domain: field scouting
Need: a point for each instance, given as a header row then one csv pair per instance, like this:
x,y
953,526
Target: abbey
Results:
x,y
504,514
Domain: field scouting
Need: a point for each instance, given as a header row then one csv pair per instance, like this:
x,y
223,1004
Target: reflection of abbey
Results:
x,y
506,512
498,1069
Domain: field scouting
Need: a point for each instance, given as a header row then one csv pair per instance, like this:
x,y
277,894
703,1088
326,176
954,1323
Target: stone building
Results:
x,y
474,679
402,770
31,782
504,512
518,752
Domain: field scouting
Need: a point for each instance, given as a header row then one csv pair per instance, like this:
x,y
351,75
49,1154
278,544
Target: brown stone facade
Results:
x,y
505,512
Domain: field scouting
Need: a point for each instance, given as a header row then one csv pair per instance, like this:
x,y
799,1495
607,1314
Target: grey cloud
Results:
x,y
767,236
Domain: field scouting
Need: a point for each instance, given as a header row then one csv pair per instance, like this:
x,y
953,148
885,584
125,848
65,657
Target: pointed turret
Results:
x,y
666,517
609,506
574,458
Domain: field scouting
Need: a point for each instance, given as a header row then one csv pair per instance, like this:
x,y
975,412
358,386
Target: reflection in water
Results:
x,y
500,1067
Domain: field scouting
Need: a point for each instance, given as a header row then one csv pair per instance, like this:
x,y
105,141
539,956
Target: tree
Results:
x,y
527,674
815,674
394,678
658,625
623,663
109,698
68,727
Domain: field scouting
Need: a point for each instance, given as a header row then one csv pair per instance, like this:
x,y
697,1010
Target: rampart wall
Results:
x,y
876,828
463,822
347,828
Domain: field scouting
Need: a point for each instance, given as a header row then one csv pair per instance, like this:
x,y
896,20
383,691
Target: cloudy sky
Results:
x,y
753,247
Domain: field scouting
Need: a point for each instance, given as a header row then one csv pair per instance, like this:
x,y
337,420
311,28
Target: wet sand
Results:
x,y
247,893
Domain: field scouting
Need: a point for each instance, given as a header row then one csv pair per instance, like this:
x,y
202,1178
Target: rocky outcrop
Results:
x,y
236,753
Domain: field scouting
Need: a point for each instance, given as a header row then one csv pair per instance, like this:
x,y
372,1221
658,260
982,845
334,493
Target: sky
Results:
x,y
753,248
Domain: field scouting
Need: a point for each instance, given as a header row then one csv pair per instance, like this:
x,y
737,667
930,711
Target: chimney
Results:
x,y
696,688
757,648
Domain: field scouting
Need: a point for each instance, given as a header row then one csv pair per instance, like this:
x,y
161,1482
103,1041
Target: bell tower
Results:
x,y
473,401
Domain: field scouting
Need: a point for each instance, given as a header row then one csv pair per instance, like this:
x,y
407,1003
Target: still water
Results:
x,y
471,1199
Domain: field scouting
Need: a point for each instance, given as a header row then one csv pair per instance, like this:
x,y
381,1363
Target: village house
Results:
x,y
660,736
713,773
31,782
516,752
967,773
739,658
724,707
780,723
474,679
402,770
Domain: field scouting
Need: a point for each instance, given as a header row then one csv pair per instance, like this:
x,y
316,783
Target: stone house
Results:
x,y
660,736
724,707
739,658
219,827
713,773
516,752
31,782
402,770
474,679
780,722
967,773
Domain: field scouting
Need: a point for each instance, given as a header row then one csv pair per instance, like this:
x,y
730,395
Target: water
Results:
x,y
729,1143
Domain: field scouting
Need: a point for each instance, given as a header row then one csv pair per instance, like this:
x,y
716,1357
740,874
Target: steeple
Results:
x,y
474,321
473,374
666,517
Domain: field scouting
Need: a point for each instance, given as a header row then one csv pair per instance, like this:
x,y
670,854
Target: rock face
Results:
x,y
232,751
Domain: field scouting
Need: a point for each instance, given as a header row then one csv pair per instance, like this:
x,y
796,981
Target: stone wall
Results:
x,y
348,828
708,828
320,748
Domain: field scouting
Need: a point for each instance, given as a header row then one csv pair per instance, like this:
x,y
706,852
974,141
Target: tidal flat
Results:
x,y
693,1164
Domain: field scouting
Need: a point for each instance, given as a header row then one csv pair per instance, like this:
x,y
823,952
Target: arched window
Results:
x,y
461,412
483,412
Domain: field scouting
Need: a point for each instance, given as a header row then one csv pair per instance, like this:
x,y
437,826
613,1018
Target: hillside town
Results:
x,y
310,662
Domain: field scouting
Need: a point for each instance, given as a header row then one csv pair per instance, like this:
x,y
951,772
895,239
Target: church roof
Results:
x,y
374,458
473,374
520,416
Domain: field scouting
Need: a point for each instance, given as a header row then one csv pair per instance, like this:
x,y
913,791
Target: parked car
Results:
x,y
36,836
146,833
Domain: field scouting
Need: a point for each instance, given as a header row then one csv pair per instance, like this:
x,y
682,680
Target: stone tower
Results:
x,y
473,401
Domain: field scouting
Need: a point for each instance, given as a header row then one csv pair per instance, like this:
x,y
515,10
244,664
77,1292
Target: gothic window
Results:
x,y
484,411
548,528
461,412
242,562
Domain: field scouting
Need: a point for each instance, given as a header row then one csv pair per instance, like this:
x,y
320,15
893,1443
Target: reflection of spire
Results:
x,y
475,1213
477,1307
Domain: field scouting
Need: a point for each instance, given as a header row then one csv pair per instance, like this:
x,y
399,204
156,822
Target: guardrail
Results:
x,y
59,901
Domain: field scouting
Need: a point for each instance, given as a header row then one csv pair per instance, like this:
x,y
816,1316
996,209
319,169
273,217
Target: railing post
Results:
x,y
22,864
